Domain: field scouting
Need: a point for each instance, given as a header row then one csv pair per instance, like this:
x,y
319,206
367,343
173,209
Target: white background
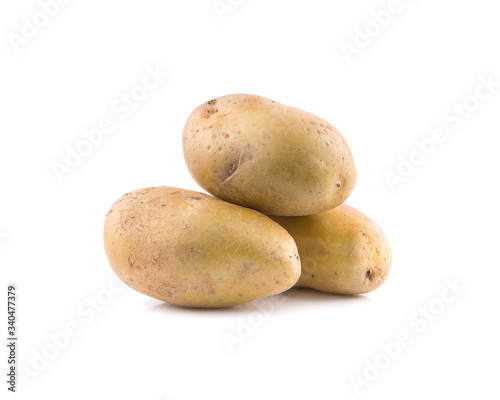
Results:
x,y
442,220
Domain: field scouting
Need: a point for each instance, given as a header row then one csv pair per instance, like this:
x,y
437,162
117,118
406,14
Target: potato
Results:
x,y
342,251
261,154
190,249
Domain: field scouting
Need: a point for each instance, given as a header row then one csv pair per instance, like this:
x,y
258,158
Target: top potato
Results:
x,y
261,154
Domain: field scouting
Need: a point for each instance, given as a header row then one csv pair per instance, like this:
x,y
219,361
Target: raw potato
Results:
x,y
190,249
261,154
342,251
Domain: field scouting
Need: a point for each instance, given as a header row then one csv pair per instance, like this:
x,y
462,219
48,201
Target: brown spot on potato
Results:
x,y
154,202
231,170
167,288
369,274
212,102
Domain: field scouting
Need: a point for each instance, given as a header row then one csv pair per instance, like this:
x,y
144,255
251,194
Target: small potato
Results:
x,y
190,249
342,251
261,154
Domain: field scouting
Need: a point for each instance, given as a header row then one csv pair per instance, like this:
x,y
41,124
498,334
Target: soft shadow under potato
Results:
x,y
296,296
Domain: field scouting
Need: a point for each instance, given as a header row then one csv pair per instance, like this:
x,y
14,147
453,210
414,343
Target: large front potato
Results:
x,y
190,249
261,154
342,251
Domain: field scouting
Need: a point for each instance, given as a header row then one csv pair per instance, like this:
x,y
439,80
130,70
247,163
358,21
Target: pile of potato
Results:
x,y
279,176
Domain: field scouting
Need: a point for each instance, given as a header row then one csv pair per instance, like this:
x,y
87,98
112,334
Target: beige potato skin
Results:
x,y
190,249
342,251
261,154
